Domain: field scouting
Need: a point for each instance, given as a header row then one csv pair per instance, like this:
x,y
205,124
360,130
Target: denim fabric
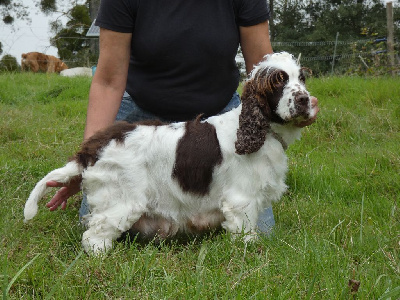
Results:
x,y
130,112
266,221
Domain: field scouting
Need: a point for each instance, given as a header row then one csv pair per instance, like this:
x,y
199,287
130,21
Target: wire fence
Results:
x,y
350,57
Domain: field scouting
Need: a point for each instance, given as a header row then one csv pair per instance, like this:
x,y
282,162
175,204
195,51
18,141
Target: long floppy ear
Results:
x,y
253,127
256,114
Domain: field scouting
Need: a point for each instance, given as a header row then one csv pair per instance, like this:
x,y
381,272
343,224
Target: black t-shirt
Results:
x,y
183,51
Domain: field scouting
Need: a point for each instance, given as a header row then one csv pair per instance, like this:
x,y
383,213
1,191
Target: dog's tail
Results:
x,y
62,175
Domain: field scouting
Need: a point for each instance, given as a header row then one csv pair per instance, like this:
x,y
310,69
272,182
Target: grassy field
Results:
x,y
339,222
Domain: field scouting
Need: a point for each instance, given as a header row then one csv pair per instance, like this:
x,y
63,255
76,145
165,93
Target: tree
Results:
x,y
294,22
9,10
302,22
8,64
93,10
71,41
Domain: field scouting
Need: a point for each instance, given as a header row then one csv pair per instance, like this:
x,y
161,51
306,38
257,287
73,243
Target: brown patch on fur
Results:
x,y
153,226
197,153
90,149
36,61
253,127
260,99
205,223
158,229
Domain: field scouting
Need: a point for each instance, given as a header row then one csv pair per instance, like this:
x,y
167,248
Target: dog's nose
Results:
x,y
302,99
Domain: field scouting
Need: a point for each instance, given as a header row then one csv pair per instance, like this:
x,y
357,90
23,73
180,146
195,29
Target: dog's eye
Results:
x,y
280,78
304,73
283,77
275,79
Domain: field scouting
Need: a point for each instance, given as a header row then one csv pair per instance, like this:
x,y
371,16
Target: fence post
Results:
x,y
390,29
334,51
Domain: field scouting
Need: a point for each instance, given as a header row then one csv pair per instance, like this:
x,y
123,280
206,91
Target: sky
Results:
x,y
27,38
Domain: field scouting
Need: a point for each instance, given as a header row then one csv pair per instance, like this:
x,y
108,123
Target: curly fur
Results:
x,y
163,179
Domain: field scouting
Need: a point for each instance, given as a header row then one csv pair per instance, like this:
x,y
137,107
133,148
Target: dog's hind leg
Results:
x,y
105,228
106,224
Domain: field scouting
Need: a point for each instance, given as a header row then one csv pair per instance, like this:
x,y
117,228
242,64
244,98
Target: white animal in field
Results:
x,y
79,71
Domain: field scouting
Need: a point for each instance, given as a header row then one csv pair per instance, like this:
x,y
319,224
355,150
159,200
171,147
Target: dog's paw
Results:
x,y
95,245
246,237
250,237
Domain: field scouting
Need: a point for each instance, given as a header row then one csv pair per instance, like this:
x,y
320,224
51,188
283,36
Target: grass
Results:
x,y
339,222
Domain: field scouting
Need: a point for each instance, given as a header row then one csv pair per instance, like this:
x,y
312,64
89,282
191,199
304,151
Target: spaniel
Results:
x,y
36,61
163,179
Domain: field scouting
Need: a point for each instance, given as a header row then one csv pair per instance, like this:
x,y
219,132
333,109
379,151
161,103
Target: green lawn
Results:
x,y
340,220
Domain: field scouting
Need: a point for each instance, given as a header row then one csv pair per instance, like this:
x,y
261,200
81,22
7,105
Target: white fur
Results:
x,y
78,71
285,61
131,183
62,175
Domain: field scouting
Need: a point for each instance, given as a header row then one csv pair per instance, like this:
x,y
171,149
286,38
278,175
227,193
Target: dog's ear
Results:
x,y
253,119
253,127
257,98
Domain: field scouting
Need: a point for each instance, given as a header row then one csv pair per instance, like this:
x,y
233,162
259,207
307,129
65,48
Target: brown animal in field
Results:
x,y
36,61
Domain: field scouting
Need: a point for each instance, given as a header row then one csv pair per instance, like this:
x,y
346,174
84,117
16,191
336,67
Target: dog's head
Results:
x,y
278,83
274,92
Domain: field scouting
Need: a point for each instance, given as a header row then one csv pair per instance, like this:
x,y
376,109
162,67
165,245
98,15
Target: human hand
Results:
x,y
67,190
314,106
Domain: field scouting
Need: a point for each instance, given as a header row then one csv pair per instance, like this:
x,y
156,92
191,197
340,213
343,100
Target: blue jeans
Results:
x,y
129,111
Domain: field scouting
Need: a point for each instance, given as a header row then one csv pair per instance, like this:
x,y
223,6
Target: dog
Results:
x,y
36,61
222,171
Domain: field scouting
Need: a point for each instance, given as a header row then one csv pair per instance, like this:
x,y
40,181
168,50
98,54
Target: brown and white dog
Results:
x,y
162,179
36,61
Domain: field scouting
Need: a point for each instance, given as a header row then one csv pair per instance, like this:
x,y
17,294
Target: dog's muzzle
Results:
x,y
302,104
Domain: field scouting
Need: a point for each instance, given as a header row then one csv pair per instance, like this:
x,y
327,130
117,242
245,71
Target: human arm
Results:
x,y
105,96
109,81
255,43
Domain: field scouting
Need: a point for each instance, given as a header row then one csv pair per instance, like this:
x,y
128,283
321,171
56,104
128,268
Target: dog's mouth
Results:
x,y
302,114
298,108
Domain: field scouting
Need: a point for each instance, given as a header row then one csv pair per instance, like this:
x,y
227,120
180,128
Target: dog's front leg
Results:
x,y
240,217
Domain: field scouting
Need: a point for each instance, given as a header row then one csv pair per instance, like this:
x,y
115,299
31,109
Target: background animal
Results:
x,y
161,179
36,61
79,71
